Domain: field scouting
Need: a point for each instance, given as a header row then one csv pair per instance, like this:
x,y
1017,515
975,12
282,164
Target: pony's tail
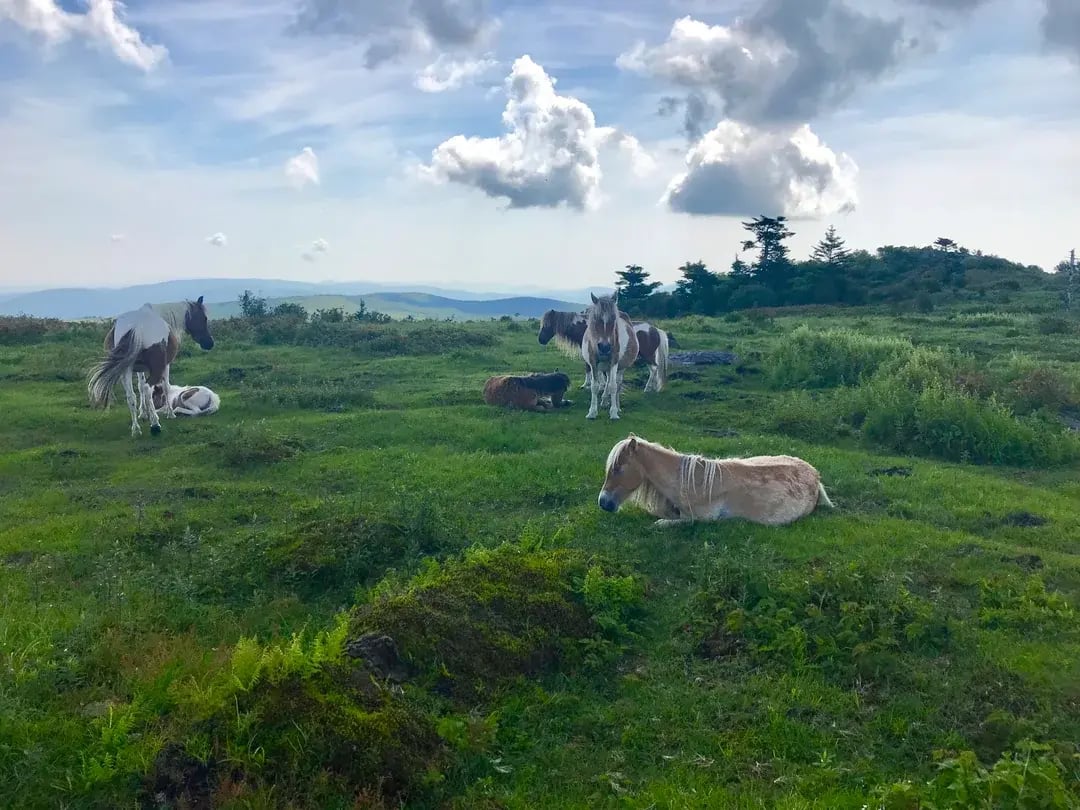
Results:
x,y
823,496
662,354
105,375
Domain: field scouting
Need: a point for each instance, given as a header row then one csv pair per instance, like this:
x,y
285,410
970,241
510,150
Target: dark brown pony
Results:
x,y
567,330
147,345
531,392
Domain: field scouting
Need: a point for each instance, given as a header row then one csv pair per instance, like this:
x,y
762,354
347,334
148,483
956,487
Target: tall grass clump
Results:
x,y
1031,385
808,358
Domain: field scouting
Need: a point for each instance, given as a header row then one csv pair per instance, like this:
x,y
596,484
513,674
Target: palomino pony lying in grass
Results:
x,y
186,400
142,342
530,392
681,488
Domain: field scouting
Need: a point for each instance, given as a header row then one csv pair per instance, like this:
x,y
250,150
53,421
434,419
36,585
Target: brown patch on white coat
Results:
x,y
681,488
186,400
531,392
567,329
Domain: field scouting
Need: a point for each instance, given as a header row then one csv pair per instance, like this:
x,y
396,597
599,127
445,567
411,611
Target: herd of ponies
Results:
x,y
671,486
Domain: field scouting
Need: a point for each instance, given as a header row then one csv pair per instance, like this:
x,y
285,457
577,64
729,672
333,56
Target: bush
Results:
x,y
806,358
256,444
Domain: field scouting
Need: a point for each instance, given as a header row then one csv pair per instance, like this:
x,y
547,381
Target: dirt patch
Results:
x,y
18,559
1029,562
179,780
903,472
720,644
1023,519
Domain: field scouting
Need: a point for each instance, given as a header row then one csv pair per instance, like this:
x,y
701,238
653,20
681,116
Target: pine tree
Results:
x,y
634,288
697,287
831,251
773,267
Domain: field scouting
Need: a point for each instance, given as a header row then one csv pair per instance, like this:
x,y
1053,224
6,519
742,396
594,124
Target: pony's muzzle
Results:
x,y
608,502
207,344
603,349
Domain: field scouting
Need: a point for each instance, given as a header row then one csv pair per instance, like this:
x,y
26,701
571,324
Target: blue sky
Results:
x,y
133,134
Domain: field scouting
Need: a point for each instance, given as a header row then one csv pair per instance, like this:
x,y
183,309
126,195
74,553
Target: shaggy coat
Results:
x,y
532,392
609,348
678,488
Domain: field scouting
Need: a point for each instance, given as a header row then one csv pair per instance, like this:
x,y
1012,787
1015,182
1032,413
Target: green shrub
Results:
x,y
256,443
805,358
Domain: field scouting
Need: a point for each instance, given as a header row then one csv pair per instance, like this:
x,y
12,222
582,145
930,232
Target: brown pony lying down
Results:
x,y
531,392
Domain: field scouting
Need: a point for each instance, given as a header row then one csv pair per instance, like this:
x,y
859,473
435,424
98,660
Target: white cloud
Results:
x,y
117,237
549,158
218,239
737,170
302,169
320,246
101,23
449,74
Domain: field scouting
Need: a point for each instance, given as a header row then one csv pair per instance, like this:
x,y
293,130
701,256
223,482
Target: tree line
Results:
x,y
920,277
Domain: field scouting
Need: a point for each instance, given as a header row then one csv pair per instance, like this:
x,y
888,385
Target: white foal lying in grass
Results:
x,y
186,400
680,488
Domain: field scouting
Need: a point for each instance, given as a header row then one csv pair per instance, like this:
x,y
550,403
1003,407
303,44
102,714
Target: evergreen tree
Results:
x,y
831,251
697,288
773,266
634,288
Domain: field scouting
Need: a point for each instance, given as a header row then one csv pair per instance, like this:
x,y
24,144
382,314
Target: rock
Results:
x,y
703,358
380,654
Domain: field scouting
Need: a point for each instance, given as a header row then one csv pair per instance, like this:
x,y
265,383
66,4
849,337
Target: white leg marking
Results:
x,y
594,390
129,395
154,421
169,413
665,523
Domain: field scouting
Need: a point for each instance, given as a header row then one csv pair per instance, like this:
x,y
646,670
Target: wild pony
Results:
x,y
567,329
144,343
531,392
185,400
681,488
609,347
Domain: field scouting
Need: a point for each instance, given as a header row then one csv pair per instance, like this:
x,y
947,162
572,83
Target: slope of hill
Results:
x,y
76,303
416,305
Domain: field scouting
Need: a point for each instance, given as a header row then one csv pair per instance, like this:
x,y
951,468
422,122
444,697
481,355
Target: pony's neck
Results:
x,y
662,467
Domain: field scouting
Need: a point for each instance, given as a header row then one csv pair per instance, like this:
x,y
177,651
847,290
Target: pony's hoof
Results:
x,y
590,416
155,430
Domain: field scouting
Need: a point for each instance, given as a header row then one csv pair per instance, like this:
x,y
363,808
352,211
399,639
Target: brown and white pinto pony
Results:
x,y
530,392
567,329
681,488
609,347
185,400
144,343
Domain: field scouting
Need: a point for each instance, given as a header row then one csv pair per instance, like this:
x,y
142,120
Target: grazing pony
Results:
x,y
567,329
680,488
531,392
142,342
609,347
186,400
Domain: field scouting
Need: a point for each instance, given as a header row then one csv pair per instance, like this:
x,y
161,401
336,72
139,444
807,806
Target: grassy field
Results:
x,y
180,615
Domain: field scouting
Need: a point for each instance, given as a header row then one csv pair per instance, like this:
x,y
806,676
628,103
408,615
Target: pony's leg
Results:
x,y
169,411
665,523
614,381
594,389
141,409
155,423
588,377
129,395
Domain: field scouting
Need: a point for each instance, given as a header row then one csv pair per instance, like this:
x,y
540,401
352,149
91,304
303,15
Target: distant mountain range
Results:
x,y
419,301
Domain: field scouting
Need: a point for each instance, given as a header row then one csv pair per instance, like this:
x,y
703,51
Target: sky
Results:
x,y
508,144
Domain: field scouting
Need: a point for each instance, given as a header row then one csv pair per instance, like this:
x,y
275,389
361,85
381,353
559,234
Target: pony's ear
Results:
x,y
632,444
200,300
593,297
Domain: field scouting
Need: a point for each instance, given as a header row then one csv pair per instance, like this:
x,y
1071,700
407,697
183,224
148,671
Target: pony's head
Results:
x,y
603,317
547,327
623,474
197,324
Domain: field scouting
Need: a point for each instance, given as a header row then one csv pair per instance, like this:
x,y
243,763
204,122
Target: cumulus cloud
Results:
x,y
738,170
303,169
117,237
449,74
550,155
101,23
391,30
218,239
320,246
1061,26
788,62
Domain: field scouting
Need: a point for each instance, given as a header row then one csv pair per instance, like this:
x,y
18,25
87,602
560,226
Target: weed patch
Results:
x,y
806,358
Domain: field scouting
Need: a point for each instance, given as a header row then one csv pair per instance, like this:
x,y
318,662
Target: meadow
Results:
x,y
200,619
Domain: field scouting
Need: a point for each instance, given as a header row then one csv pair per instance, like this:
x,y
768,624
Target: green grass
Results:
x,y
177,612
